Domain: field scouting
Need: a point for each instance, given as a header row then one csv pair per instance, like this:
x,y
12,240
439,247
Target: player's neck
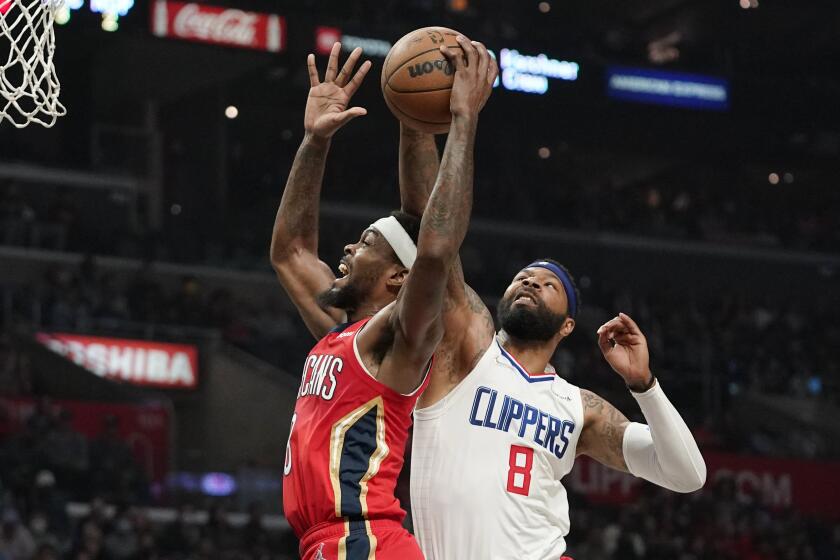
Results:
x,y
365,310
533,355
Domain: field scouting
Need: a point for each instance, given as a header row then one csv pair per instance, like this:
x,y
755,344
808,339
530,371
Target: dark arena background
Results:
x,y
682,157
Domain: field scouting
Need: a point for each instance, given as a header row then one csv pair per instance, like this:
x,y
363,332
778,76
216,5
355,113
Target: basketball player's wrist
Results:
x,y
644,385
466,119
316,140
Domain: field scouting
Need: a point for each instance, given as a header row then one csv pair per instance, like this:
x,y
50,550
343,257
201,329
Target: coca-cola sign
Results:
x,y
139,362
218,25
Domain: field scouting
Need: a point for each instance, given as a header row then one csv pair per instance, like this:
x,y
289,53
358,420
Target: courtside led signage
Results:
x,y
326,37
139,362
531,74
668,88
230,27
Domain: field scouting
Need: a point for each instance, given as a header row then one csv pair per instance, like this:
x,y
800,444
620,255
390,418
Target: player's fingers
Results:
x,y
629,323
625,339
358,78
483,57
492,71
469,51
313,71
344,117
604,342
453,56
611,324
332,64
347,70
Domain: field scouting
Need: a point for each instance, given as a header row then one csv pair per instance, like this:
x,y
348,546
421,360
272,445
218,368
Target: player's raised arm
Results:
x,y
417,316
663,451
294,241
467,321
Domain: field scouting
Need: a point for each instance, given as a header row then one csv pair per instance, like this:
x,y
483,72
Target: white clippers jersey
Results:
x,y
486,464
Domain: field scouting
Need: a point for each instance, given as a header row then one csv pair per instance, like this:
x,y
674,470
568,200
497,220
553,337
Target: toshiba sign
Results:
x,y
218,25
140,362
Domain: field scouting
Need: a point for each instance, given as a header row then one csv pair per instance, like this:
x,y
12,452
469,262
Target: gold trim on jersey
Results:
x,y
337,433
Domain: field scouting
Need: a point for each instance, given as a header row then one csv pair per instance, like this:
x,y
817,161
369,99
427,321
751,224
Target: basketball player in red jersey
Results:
x,y
377,325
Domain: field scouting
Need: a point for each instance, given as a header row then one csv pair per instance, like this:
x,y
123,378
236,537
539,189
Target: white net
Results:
x,y
29,86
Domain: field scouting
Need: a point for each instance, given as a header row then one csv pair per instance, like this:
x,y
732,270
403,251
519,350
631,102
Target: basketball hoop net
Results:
x,y
29,86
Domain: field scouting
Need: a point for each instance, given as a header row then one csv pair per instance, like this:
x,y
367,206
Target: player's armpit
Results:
x,y
603,431
305,277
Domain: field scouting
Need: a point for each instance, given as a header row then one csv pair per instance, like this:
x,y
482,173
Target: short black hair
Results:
x,y
409,222
572,280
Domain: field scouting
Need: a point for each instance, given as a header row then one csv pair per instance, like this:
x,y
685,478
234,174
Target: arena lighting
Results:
x,y
110,22
62,15
544,153
788,177
111,11
218,484
773,178
113,7
231,111
530,74
544,7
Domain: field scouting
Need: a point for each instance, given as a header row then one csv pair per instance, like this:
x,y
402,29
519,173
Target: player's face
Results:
x,y
534,306
360,271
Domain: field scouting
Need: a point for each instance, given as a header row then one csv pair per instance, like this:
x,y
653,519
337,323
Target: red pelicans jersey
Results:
x,y
346,447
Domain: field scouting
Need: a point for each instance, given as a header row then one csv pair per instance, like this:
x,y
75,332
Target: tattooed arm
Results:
x,y
417,317
294,240
468,324
662,451
603,431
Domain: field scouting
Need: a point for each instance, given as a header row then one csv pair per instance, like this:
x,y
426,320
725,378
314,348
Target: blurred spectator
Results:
x,y
16,542
66,451
114,471
16,216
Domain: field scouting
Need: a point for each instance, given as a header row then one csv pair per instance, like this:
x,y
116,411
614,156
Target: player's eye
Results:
x,y
551,285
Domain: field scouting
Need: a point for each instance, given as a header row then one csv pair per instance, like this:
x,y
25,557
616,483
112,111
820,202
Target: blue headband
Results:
x,y
564,279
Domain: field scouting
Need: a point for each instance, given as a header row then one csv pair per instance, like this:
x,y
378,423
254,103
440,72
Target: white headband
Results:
x,y
399,240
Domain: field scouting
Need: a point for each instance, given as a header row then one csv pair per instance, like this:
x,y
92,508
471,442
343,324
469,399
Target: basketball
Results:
x,y
417,79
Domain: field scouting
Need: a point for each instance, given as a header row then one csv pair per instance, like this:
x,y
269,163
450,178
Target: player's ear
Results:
x,y
568,327
398,276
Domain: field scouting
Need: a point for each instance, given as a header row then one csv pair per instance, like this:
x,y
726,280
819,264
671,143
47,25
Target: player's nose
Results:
x,y
531,283
349,249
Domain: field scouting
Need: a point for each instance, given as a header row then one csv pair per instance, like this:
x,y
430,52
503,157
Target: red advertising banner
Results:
x,y
140,362
808,486
325,38
218,25
145,428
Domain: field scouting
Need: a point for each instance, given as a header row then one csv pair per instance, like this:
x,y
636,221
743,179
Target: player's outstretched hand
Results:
x,y
625,348
475,72
326,106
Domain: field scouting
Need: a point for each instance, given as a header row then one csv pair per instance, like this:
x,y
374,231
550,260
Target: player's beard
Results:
x,y
346,298
533,324
352,294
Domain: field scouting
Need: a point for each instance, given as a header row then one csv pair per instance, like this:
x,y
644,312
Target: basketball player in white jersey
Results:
x,y
496,431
